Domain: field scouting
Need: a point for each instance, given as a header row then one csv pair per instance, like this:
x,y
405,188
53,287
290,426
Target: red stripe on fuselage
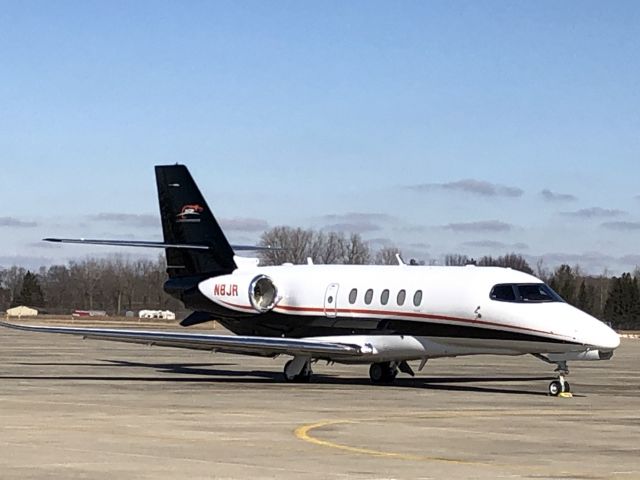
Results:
x,y
234,305
407,314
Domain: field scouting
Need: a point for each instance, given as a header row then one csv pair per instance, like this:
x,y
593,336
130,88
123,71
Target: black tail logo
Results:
x,y
190,213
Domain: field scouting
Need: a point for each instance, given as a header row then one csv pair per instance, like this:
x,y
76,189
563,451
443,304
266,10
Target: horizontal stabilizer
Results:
x,y
150,244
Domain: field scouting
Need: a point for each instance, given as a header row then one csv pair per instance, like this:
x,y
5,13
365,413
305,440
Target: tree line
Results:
x,y
118,284
115,284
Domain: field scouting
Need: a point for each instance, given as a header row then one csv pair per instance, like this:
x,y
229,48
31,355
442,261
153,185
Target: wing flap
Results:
x,y
248,345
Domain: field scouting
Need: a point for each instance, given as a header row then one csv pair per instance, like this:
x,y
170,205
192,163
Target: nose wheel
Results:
x,y
557,387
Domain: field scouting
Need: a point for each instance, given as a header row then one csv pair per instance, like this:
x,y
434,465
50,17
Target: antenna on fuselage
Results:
x,y
399,259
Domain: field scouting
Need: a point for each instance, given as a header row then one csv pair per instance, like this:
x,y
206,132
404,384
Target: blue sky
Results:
x,y
433,126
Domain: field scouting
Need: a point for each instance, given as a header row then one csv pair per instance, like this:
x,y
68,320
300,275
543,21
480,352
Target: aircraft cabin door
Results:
x,y
331,300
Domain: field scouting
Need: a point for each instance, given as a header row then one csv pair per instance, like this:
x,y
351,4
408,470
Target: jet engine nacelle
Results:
x,y
242,292
586,355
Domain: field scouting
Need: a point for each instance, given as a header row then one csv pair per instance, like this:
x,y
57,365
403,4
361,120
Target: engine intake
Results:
x,y
262,293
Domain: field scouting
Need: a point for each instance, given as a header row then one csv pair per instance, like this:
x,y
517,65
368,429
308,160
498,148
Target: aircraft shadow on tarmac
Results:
x,y
211,373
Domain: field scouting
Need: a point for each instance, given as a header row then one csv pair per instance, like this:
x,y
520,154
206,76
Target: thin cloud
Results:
x,y
482,226
353,227
622,226
355,222
470,186
381,242
357,217
589,260
555,197
244,224
632,259
592,261
45,245
127,219
595,212
578,258
25,261
415,229
495,245
16,222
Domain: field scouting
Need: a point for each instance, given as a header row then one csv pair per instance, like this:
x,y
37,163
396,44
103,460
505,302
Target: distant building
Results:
x,y
163,314
89,313
22,311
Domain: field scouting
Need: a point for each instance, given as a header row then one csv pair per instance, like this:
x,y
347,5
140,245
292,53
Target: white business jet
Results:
x,y
384,316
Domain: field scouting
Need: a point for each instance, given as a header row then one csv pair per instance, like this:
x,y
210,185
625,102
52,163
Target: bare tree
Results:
x,y
334,249
457,260
387,256
358,252
541,272
510,260
292,245
295,245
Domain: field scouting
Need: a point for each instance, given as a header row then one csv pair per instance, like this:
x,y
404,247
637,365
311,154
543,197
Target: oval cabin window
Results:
x,y
401,296
417,298
353,294
384,297
368,296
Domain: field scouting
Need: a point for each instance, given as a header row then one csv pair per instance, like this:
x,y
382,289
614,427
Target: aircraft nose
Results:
x,y
607,338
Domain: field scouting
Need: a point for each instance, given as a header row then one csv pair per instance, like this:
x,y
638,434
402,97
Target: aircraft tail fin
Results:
x,y
187,220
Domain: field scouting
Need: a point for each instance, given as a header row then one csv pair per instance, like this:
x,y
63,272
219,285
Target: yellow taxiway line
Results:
x,y
303,434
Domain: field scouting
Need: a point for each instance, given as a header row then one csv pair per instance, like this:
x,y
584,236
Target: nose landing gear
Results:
x,y
559,387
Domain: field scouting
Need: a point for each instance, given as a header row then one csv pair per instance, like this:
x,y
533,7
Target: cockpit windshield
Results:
x,y
524,293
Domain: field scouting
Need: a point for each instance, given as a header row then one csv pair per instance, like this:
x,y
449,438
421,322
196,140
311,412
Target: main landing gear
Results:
x,y
298,370
385,372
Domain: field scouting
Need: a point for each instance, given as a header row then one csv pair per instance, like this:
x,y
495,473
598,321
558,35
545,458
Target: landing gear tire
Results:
x,y
376,373
555,388
302,377
382,373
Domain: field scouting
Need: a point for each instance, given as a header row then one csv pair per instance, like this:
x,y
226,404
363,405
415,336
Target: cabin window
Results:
x,y
368,296
401,296
536,292
503,293
384,297
417,298
353,294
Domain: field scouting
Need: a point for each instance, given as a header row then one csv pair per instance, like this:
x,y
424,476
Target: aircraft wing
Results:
x,y
246,345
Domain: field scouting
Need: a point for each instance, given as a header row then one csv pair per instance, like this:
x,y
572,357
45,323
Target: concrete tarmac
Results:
x,y
77,409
